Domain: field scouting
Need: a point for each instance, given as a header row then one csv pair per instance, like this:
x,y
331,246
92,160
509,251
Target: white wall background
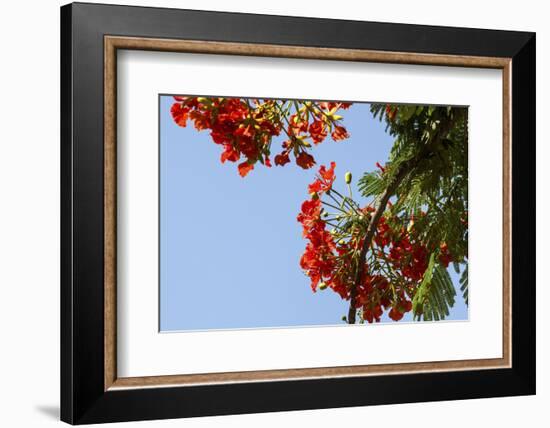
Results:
x,y
29,213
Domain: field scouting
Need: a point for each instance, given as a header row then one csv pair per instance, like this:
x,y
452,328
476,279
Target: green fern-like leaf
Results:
x,y
464,284
435,295
422,293
371,184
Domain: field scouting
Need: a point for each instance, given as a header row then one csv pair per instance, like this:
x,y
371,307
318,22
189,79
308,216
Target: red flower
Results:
x,y
221,137
395,314
373,314
406,305
317,131
179,114
245,131
296,125
324,181
201,121
282,158
340,133
401,308
305,160
230,154
245,168
332,105
311,210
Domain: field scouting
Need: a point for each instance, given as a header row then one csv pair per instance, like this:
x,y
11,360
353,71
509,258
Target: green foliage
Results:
x,y
372,184
464,284
422,292
431,147
436,294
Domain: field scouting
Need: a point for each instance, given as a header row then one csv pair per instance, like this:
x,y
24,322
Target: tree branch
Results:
x,y
406,167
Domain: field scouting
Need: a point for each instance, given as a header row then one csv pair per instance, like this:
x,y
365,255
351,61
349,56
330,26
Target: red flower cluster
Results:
x,y
240,129
324,258
406,256
328,263
311,121
318,259
392,272
245,127
379,298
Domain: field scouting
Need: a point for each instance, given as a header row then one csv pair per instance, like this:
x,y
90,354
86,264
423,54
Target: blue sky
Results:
x,y
230,246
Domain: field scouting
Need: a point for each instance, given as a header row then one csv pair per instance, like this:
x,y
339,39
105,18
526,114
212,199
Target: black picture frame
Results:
x,y
83,396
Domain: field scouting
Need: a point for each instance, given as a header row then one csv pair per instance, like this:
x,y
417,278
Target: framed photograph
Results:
x,y
266,213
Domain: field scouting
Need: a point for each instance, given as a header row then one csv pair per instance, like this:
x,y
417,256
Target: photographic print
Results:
x,y
293,213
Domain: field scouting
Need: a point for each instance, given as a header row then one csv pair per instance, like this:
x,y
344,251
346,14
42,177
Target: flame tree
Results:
x,y
390,253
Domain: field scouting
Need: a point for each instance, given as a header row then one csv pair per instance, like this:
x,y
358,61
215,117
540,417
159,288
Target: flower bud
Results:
x,y
323,285
348,177
314,195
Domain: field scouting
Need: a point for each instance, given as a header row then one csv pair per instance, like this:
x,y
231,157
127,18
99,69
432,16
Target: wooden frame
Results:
x,y
513,53
112,43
